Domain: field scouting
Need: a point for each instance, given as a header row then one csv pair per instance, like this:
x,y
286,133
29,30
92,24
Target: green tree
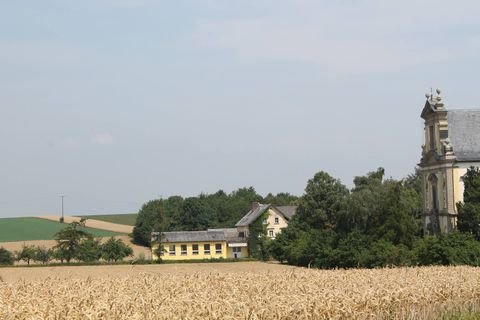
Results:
x,y
115,250
322,202
6,257
384,210
197,214
281,199
89,250
151,217
27,254
43,254
68,241
469,211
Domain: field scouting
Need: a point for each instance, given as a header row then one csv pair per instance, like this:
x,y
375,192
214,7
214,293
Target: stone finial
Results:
x,y
439,94
447,147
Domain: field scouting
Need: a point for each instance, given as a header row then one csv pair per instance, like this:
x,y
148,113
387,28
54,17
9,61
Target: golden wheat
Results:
x,y
235,291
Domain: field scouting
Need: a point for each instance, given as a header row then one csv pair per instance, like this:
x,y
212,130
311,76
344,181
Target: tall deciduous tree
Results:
x,y
151,217
322,202
68,240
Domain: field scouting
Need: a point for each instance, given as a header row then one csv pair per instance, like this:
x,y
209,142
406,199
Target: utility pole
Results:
x,y
62,219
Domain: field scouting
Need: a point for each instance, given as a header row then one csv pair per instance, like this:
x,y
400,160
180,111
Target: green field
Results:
x,y
24,229
126,219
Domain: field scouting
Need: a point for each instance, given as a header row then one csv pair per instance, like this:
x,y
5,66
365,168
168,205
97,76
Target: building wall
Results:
x,y
190,256
243,252
274,227
227,252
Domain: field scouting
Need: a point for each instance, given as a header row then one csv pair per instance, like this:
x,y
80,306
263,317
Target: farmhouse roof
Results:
x,y
252,215
288,211
210,235
464,134
258,209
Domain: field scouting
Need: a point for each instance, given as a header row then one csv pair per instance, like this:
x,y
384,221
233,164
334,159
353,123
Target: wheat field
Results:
x,y
249,290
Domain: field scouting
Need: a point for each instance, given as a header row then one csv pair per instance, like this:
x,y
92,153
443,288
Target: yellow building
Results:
x,y
228,243
275,218
197,245
452,145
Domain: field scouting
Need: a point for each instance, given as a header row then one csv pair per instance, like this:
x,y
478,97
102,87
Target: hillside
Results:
x,y
24,229
126,219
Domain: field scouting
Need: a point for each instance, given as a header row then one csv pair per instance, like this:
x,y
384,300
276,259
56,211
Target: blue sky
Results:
x,y
114,103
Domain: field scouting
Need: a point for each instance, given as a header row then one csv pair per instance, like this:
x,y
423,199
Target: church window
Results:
x,y
434,192
443,134
431,137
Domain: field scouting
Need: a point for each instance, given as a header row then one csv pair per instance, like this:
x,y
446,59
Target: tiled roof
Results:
x,y
192,236
464,134
288,211
210,235
252,215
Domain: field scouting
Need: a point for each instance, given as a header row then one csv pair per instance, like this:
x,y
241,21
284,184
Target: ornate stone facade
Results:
x,y
452,144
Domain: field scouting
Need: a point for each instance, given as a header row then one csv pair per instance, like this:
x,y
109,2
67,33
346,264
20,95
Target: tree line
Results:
x,y
217,210
376,224
73,244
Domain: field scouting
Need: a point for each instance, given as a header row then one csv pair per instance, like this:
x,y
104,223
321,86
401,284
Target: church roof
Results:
x,y
464,134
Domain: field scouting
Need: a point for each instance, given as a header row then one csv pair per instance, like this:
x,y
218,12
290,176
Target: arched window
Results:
x,y
434,191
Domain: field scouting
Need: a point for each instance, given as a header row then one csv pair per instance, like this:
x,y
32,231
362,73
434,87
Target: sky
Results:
x,y
116,102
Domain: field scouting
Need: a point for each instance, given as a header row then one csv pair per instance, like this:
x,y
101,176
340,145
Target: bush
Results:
x,y
6,257
448,249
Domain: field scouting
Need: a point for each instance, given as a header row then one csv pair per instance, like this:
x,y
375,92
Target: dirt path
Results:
x,y
92,223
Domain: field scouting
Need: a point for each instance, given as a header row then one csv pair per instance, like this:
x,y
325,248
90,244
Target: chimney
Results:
x,y
255,205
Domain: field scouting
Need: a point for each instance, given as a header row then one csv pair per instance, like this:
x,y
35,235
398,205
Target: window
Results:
x,y
194,248
432,137
161,250
277,220
270,233
171,249
206,249
218,248
241,234
443,134
183,249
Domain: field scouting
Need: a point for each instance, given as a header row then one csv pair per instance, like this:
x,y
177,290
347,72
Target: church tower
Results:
x,y
437,168
451,146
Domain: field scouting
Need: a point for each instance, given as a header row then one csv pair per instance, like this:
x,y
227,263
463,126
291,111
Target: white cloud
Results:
x,y
350,37
102,138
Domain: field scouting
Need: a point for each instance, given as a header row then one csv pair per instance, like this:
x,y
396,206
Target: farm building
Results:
x,y
221,243
452,145
274,218
188,245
